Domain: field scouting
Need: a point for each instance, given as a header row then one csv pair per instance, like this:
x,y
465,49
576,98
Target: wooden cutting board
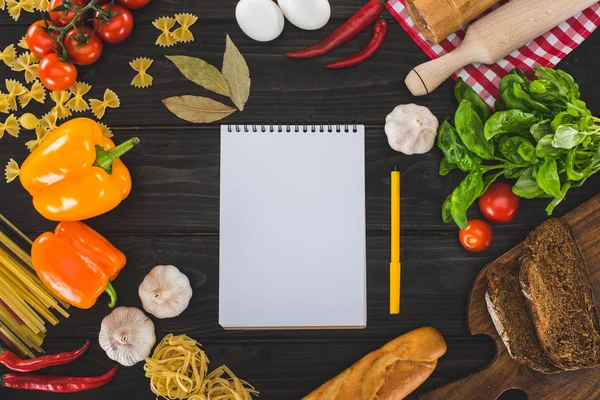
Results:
x,y
504,373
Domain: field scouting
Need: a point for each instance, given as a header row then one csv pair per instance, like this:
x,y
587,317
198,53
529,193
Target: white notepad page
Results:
x,y
292,227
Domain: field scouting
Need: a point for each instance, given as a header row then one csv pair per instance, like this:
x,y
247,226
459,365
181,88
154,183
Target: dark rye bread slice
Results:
x,y
556,283
508,308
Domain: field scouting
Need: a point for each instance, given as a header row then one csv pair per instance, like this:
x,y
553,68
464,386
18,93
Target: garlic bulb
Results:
x,y
127,335
411,129
165,292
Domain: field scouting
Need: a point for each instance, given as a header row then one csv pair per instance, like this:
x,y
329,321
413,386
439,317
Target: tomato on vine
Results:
x,y
117,28
134,4
62,17
39,41
56,74
83,46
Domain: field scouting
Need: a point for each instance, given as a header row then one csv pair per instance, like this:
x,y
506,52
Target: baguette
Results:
x,y
390,373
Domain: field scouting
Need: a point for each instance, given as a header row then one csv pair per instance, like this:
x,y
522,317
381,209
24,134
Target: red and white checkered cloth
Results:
x,y
547,50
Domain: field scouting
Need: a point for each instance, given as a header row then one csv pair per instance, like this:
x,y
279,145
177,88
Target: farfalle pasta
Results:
x,y
183,33
165,24
48,122
41,5
27,62
16,6
10,126
14,89
40,135
8,55
78,90
4,103
111,100
142,79
23,44
60,103
11,171
106,131
37,93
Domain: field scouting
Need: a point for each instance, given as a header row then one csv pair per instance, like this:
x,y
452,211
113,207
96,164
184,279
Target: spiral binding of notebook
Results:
x,y
294,128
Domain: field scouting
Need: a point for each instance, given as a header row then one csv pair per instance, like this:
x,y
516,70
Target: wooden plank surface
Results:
x,y
172,214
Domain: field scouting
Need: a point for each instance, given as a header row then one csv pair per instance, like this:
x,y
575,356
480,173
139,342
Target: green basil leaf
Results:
x,y
512,172
567,137
556,201
595,161
446,211
462,91
488,180
464,196
541,129
510,149
511,121
562,118
527,152
527,187
545,148
455,151
547,177
446,166
470,130
570,167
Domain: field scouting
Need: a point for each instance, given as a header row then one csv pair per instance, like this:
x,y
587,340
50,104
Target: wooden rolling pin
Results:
x,y
495,36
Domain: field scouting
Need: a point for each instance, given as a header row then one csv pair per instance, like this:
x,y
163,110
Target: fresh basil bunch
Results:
x,y
541,134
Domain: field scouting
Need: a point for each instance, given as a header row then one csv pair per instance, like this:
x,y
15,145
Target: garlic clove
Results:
x,y
127,335
411,129
165,292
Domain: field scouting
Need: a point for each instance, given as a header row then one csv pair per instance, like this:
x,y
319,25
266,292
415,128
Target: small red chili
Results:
x,y
379,31
15,363
356,24
55,384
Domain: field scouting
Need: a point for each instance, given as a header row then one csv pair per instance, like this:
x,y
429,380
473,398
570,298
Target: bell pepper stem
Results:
x,y
110,290
105,158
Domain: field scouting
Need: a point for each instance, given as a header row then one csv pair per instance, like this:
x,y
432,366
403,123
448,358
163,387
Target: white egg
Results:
x,y
306,14
261,20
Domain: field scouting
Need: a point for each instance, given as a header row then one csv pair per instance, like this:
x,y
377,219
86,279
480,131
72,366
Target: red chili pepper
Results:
x,y
356,24
15,363
379,31
56,384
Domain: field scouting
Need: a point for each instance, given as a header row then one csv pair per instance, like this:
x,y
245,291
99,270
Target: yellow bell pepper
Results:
x,y
76,174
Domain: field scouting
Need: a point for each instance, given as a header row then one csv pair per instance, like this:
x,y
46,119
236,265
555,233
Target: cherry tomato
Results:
x,y
39,41
499,204
63,18
477,236
134,4
83,54
118,28
56,74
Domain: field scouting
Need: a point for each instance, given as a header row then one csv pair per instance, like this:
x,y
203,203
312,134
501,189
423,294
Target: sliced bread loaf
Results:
x,y
508,308
555,281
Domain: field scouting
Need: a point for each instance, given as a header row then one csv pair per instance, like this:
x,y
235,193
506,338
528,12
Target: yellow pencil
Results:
x,y
395,274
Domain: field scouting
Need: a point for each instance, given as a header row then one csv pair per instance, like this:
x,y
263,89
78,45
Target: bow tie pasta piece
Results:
x,y
48,122
2,4
8,55
37,93
40,135
10,126
183,34
27,62
41,5
111,100
60,99
11,172
106,131
77,103
4,103
165,24
15,89
16,6
23,43
142,79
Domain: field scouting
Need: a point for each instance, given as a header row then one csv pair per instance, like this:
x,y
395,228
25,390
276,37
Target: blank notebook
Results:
x,y
292,227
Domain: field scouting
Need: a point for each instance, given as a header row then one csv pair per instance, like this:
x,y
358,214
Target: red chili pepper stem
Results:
x,y
56,384
355,25
379,31
13,362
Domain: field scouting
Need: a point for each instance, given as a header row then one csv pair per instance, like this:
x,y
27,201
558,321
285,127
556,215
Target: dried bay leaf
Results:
x,y
202,73
197,109
237,74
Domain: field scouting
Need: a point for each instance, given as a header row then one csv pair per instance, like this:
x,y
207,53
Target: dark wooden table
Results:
x,y
172,214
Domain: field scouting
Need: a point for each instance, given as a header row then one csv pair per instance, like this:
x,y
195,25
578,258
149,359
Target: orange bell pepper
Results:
x,y
77,264
76,174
